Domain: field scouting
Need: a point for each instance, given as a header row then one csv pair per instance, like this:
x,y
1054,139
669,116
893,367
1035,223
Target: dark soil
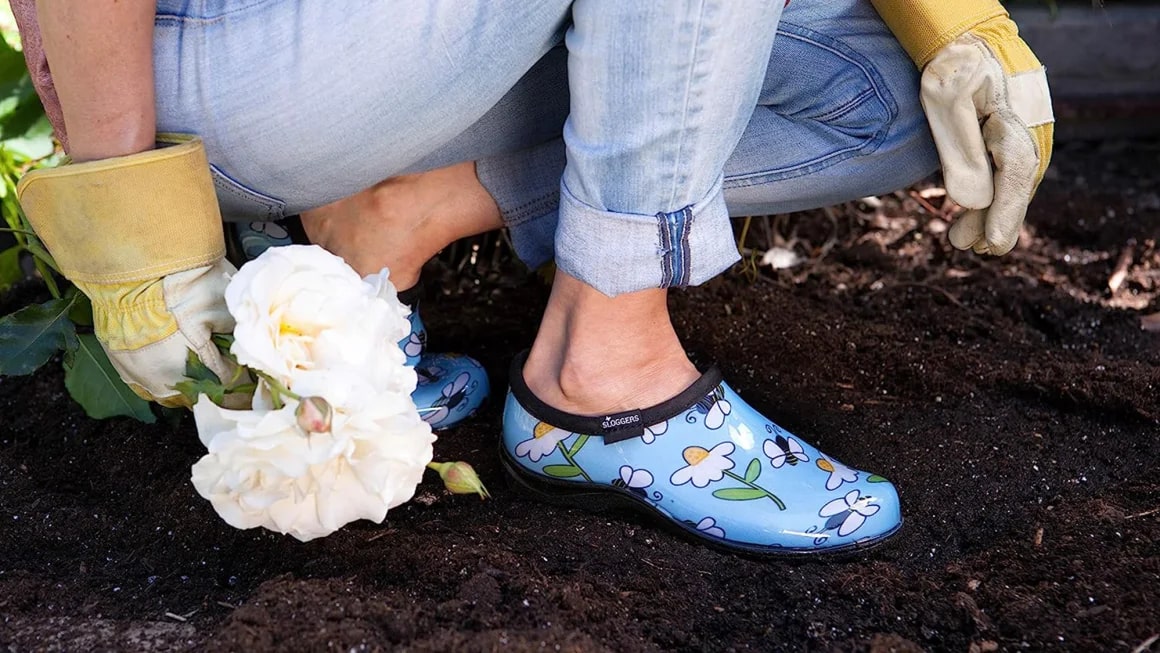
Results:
x,y
1013,401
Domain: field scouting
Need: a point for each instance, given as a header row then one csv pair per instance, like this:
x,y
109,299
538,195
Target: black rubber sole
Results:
x,y
609,499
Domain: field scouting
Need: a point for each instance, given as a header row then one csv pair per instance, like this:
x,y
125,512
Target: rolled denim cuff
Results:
x,y
526,187
619,253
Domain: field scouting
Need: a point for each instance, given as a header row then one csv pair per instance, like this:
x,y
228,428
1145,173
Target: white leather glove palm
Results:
x,y
989,108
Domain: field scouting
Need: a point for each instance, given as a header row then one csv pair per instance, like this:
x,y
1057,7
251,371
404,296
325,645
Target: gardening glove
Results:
x,y
989,108
141,236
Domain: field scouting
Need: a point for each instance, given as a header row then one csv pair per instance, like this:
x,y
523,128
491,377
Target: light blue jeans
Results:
x,y
616,137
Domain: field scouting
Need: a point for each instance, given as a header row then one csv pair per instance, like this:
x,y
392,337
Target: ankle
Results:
x,y
595,354
402,222
599,385
437,207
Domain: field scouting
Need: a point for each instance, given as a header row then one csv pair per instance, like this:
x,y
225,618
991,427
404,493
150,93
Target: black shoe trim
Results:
x,y
411,296
612,428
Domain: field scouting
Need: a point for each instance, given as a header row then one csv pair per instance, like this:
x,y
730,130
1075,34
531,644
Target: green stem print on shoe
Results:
x,y
705,466
750,493
571,470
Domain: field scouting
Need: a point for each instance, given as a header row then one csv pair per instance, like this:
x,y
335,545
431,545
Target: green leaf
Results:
x,y
740,494
10,271
30,336
563,471
199,371
874,478
753,471
11,64
223,341
201,380
27,133
96,386
191,389
82,310
24,130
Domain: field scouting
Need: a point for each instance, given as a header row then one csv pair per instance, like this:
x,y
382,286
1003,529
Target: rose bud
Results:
x,y
314,415
460,478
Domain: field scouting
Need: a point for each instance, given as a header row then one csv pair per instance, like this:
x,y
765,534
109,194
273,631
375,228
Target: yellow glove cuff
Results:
x,y
924,27
129,218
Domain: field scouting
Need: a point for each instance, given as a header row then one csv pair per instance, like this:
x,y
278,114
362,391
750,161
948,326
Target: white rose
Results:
x,y
302,312
262,469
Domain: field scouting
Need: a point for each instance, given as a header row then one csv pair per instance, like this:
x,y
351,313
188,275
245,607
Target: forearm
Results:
x,y
101,56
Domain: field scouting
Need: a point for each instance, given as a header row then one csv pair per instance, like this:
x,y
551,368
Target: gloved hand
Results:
x,y
141,236
989,108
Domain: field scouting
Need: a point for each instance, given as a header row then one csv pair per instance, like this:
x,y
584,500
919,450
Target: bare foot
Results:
x,y
595,354
402,222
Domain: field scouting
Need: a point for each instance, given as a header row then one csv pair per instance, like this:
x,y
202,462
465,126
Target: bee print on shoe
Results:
x,y
651,432
714,407
784,449
452,397
636,481
415,344
709,526
845,515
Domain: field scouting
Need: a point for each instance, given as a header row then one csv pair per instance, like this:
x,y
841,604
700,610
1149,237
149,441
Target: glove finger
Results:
x,y
951,85
967,230
1016,169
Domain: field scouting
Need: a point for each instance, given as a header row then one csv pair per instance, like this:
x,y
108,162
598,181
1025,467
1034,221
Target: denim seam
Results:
x,y
688,99
676,256
518,215
208,20
275,208
872,76
868,146
846,108
809,167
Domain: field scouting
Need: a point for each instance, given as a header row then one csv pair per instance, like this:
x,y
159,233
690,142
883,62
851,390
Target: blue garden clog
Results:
x,y
451,387
705,462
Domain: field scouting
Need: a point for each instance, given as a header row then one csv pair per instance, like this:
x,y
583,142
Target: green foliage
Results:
x,y
25,143
95,385
10,270
200,380
30,336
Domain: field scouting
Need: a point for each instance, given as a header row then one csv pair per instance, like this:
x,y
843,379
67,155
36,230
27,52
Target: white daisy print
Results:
x,y
704,465
848,513
839,473
709,526
544,441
